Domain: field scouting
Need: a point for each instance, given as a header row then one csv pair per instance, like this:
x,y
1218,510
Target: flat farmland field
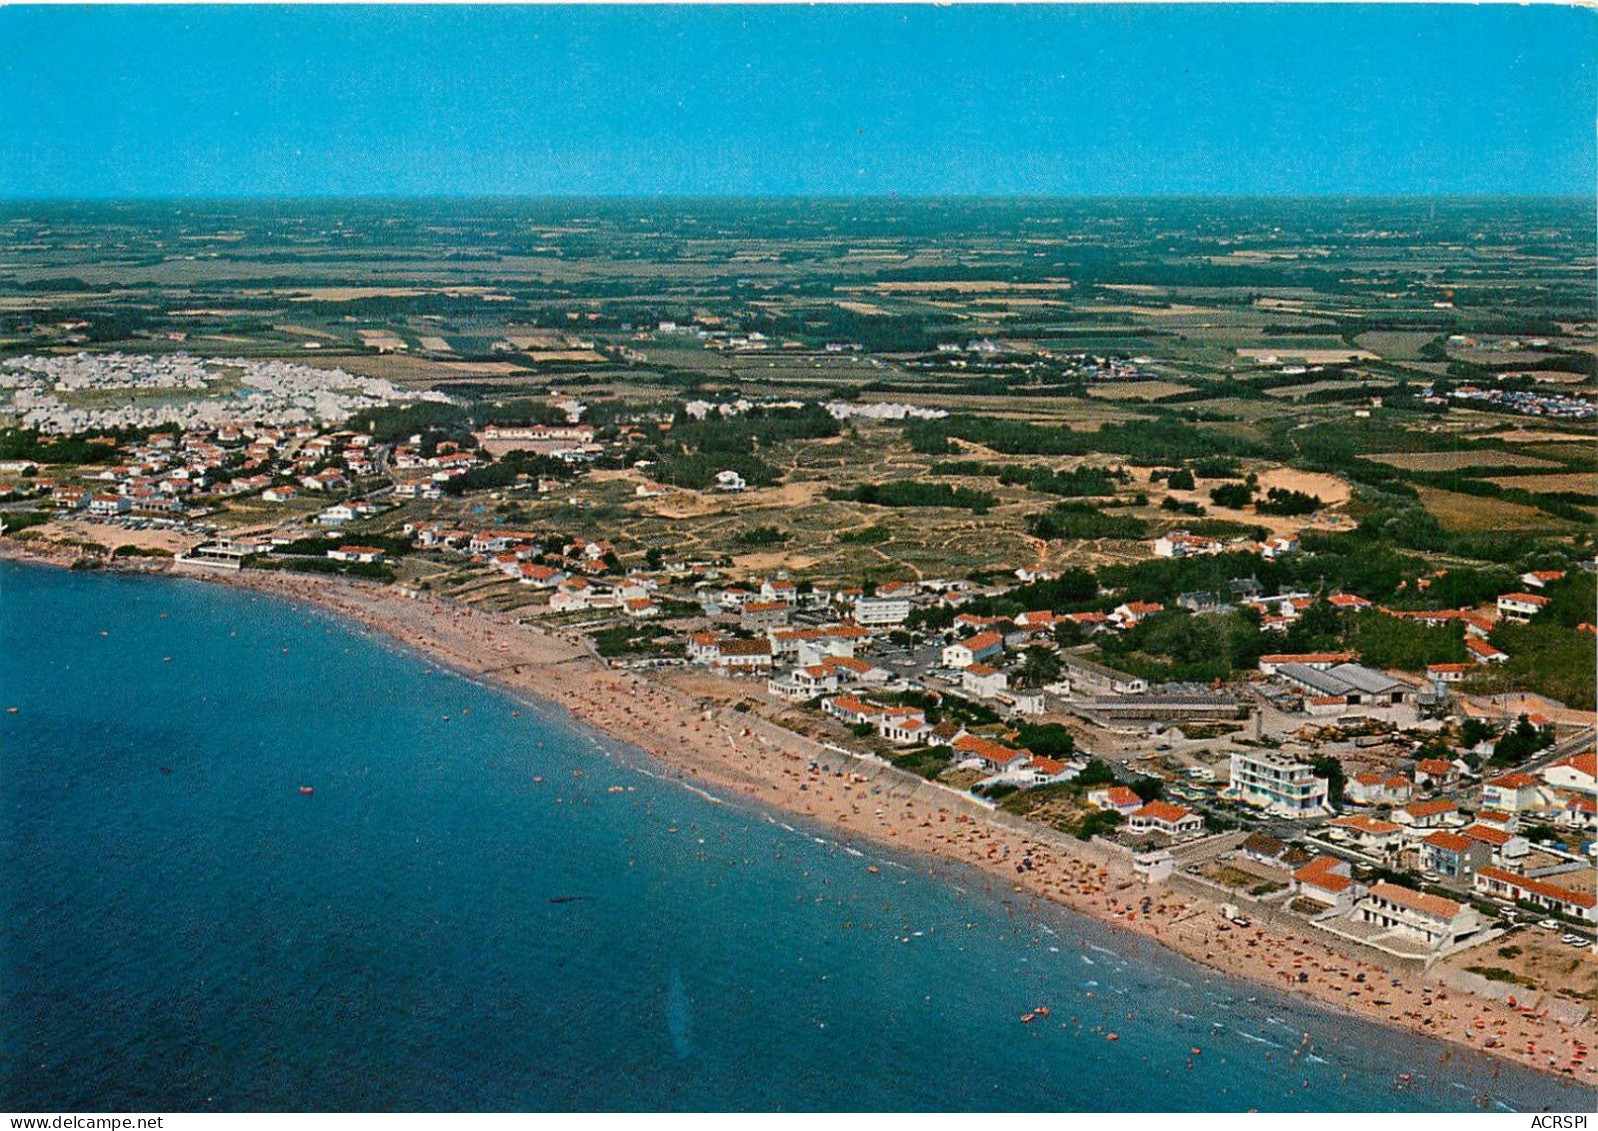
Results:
x,y
1585,482
1472,513
1138,390
1395,345
1454,461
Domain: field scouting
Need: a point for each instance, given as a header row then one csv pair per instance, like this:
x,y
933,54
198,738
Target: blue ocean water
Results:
x,y
434,928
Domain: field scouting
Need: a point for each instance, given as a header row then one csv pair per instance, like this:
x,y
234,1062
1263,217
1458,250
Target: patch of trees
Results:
x,y
1546,658
1095,773
1233,495
1391,642
1178,645
319,545
1051,740
507,470
1040,666
1067,521
391,424
928,762
1520,742
697,472
1100,822
762,536
868,536
371,571
908,493
752,430
17,443
1285,502
1083,481
1328,767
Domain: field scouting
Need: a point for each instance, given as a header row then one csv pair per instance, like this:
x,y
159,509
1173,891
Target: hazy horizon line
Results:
x,y
317,198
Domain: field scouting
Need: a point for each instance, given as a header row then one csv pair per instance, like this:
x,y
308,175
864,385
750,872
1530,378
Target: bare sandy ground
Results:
x,y
716,749
114,537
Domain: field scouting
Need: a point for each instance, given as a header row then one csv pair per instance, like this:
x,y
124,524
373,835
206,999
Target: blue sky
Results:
x,y
1071,100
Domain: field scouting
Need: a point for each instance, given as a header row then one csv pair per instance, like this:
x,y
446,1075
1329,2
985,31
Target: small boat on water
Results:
x,y
1027,1018
307,789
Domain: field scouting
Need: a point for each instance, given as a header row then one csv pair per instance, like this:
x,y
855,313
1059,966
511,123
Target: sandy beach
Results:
x,y
712,748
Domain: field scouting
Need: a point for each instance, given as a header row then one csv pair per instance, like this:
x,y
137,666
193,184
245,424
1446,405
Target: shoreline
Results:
x,y
719,748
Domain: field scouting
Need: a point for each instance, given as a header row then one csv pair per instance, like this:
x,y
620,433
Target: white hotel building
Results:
x,y
1274,781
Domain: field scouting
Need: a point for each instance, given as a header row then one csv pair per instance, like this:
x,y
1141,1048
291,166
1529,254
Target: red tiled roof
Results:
x,y
1487,835
1586,763
1541,887
1319,873
1372,825
1430,808
988,749
1449,842
1513,781
1433,905
1163,811
1120,796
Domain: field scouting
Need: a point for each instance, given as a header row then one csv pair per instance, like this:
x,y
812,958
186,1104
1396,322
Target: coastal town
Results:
x,y
1383,810
1281,656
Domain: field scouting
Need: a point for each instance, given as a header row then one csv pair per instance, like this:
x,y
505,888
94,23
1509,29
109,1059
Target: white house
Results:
x,y
1578,773
990,754
1328,880
1512,793
1427,814
366,554
983,681
1117,797
881,610
1430,919
109,506
730,481
1378,789
1448,673
1521,606
972,650
336,515
1370,833
804,683
1509,885
1164,817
